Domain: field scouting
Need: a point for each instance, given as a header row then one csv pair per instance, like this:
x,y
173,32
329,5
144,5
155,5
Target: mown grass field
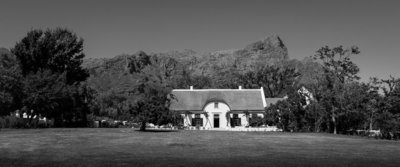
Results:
x,y
127,147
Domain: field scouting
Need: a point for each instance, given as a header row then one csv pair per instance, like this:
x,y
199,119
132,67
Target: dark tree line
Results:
x,y
340,103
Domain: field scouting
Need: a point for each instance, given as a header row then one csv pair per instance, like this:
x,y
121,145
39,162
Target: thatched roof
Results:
x,y
237,100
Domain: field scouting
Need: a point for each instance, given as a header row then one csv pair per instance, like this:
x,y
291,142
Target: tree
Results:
x,y
316,116
392,94
10,83
374,101
50,63
48,95
43,93
10,90
356,103
57,50
389,109
338,70
153,97
276,79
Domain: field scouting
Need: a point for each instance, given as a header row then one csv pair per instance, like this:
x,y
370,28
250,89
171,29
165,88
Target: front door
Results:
x,y
216,120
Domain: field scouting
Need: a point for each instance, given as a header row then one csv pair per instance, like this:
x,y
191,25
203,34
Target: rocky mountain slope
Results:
x,y
264,52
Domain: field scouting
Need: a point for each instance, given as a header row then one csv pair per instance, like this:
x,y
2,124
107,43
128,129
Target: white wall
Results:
x,y
221,110
209,123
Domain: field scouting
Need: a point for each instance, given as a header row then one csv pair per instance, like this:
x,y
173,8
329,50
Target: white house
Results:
x,y
219,108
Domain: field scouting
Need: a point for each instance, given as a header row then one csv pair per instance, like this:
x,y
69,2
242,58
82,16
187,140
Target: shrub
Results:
x,y
13,122
256,121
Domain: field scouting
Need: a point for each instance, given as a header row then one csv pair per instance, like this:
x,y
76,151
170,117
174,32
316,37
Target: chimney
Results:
x,y
191,87
240,87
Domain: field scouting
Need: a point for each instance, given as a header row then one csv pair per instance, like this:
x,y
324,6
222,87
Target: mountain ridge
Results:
x,y
268,50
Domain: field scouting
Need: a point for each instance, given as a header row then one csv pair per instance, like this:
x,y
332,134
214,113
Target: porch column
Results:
x,y
187,119
228,119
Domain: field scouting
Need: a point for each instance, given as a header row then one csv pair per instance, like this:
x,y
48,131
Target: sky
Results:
x,y
114,27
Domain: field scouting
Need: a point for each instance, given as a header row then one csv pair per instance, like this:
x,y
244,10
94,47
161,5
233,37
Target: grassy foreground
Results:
x,y
127,147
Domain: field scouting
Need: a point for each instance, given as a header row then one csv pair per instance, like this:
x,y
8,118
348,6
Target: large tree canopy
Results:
x,y
57,50
339,70
45,77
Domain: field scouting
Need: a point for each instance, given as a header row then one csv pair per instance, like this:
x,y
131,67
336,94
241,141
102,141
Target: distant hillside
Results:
x,y
267,51
105,73
264,52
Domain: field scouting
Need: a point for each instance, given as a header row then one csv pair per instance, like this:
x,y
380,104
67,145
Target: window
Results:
x,y
235,121
252,117
216,105
197,120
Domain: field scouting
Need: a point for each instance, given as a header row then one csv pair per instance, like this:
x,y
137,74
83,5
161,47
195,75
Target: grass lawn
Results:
x,y
127,147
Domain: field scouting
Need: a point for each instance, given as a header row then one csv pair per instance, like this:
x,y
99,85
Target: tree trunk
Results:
x,y
334,124
143,126
58,120
316,127
371,121
84,117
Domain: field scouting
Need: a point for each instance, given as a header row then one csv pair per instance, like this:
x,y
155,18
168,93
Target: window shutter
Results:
x,y
193,122
240,122
201,121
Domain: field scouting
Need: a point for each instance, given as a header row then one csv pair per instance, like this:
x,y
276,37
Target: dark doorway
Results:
x,y
216,120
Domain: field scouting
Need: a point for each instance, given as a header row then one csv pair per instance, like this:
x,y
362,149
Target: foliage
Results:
x,y
48,95
10,90
111,105
44,92
256,121
139,62
10,83
388,108
276,79
13,122
289,114
57,50
153,96
338,70
43,76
